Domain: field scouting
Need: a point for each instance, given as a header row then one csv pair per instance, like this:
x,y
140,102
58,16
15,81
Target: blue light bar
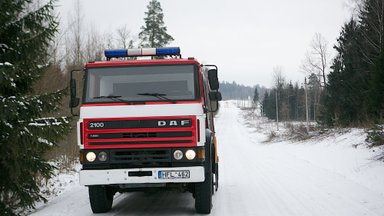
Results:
x,y
164,51
116,53
167,51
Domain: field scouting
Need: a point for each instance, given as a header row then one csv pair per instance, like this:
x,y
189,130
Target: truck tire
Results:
x,y
203,196
203,190
100,198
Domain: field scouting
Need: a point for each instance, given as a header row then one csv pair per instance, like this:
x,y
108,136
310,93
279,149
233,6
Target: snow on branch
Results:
x,y
5,64
4,47
49,121
44,141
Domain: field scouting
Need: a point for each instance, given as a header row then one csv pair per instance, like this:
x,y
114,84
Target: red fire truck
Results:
x,y
147,124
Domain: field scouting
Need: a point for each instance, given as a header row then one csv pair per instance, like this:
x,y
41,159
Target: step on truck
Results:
x,y
147,124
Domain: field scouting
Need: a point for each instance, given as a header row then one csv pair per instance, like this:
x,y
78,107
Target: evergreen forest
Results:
x,y
352,93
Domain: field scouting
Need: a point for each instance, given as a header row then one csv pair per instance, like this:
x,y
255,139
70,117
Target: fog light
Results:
x,y
190,154
102,156
91,156
178,155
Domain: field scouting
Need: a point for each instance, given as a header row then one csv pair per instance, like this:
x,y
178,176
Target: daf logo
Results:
x,y
174,123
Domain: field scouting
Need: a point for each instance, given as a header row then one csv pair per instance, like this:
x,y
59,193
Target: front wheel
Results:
x,y
203,195
100,198
204,190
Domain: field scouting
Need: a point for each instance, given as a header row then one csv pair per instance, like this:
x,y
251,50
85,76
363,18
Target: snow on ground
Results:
x,y
329,174
64,180
342,151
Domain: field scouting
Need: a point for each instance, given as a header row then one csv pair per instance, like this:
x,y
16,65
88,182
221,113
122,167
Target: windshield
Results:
x,y
141,83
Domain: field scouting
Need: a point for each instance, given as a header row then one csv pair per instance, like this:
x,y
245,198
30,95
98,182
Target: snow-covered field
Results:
x,y
329,174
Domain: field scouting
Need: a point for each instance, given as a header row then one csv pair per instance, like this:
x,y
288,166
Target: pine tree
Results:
x,y
291,102
377,90
269,104
372,28
26,130
264,104
154,32
355,93
255,97
371,16
346,96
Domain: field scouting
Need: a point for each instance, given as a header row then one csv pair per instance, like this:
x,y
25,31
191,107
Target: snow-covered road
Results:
x,y
255,179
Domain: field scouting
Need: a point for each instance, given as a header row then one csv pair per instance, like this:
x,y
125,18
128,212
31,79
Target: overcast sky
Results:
x,y
246,39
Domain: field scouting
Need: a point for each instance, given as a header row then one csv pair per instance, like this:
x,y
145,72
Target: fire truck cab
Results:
x,y
147,124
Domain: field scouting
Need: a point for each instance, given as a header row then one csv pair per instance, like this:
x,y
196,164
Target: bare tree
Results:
x,y
94,46
74,39
316,60
315,93
55,50
315,65
372,13
278,78
278,81
124,38
109,41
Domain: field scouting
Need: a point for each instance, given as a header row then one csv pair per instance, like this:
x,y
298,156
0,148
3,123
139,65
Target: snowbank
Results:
x,y
64,180
342,151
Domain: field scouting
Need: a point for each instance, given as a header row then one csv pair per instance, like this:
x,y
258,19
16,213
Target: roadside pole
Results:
x,y
306,104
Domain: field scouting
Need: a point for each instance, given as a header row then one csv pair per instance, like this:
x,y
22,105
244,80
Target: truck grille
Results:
x,y
140,135
135,156
143,133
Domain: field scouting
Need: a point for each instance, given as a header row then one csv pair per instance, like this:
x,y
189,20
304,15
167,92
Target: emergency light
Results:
x,y
163,51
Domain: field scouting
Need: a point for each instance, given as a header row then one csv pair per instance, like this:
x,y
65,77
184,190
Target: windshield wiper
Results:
x,y
113,97
109,96
158,96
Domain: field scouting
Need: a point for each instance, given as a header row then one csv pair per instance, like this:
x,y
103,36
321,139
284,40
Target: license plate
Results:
x,y
179,174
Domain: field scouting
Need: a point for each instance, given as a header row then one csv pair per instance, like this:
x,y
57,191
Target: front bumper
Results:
x,y
121,176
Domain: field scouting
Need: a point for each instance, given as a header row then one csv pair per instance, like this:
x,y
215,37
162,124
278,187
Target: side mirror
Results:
x,y
213,80
74,101
215,96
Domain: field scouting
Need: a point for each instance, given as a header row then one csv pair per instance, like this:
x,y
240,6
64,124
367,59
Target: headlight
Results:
x,y
190,154
91,156
178,154
102,156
